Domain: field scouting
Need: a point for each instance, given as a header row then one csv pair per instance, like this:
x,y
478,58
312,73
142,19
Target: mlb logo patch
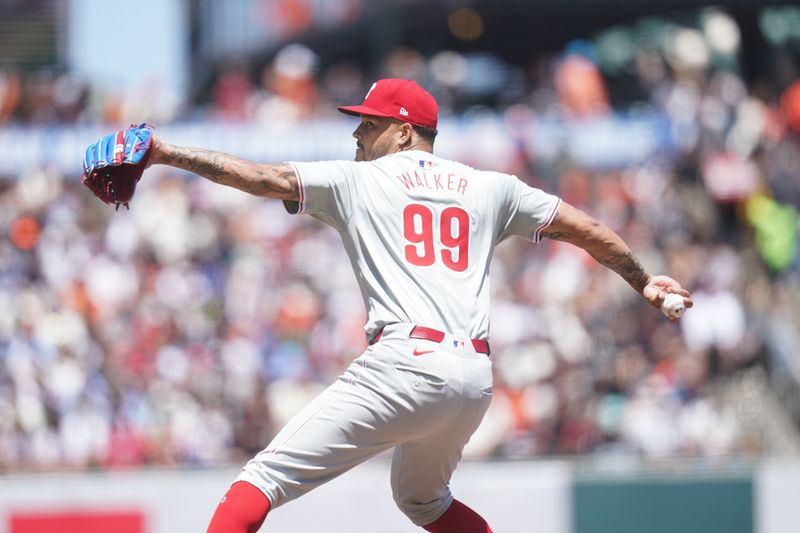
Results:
x,y
423,163
458,344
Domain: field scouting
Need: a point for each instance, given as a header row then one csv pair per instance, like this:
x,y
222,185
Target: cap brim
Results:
x,y
358,110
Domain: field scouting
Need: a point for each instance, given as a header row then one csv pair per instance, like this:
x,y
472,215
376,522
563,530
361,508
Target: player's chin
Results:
x,y
359,154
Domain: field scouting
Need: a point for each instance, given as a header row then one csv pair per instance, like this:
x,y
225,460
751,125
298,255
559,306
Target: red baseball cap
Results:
x,y
401,99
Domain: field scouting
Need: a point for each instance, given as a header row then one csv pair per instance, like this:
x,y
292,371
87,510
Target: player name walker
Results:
x,y
435,181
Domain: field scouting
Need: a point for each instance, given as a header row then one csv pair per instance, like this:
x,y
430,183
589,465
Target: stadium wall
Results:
x,y
524,497
610,141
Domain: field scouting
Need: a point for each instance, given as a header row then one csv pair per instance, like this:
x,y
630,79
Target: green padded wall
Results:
x,y
663,505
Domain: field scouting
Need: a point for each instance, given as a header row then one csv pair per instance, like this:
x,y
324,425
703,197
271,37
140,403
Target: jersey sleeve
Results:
x,y
325,191
528,211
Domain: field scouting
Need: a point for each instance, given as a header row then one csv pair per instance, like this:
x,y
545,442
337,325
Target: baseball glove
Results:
x,y
113,165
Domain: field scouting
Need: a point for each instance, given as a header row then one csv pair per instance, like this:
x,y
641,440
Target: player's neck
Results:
x,y
422,146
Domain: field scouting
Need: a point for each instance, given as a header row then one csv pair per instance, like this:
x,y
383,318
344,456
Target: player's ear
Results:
x,y
406,133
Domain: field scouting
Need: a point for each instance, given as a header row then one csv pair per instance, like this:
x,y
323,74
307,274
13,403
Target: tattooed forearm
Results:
x,y
576,227
557,235
277,181
203,162
626,265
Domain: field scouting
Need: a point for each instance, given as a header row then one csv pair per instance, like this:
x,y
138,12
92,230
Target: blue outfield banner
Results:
x,y
612,141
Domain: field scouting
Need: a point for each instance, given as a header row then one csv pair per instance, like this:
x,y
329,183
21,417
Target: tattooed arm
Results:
x,y
601,242
273,181
576,227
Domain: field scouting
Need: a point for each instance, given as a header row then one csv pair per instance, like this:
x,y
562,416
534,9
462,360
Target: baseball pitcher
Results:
x,y
420,232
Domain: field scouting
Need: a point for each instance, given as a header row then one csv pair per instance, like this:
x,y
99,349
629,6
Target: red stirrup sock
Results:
x,y
242,510
459,519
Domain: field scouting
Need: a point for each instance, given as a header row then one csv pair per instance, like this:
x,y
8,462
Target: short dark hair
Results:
x,y
426,132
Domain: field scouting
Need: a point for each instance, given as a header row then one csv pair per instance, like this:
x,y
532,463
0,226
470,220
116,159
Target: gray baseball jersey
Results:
x,y
420,232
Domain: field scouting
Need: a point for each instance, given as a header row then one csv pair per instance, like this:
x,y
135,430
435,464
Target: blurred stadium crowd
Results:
x,y
187,330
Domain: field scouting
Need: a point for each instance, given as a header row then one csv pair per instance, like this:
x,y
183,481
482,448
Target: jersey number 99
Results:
x,y
418,229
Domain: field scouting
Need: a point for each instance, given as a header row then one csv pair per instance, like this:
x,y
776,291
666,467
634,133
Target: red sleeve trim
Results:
x,y
537,235
301,190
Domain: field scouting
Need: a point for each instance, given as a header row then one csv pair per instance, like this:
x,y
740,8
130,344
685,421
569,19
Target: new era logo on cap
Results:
x,y
401,99
371,89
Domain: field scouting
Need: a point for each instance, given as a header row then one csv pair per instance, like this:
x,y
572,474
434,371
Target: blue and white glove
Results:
x,y
113,165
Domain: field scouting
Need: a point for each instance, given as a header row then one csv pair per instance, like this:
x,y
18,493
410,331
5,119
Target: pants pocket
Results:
x,y
421,374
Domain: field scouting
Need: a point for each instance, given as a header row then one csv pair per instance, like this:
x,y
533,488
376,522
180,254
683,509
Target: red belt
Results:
x,y
430,334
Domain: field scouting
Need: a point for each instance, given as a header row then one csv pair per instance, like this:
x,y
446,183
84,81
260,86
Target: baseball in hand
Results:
x,y
672,306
